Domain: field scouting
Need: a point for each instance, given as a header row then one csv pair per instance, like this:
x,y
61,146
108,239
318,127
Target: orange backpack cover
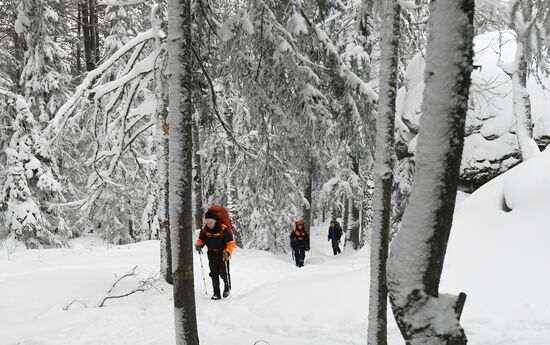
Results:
x,y
222,215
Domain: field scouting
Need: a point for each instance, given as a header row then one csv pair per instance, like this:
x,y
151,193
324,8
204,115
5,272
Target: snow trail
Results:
x,y
494,256
271,300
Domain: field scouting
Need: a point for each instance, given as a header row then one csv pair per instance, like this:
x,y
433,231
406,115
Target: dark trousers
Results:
x,y
335,247
217,270
299,255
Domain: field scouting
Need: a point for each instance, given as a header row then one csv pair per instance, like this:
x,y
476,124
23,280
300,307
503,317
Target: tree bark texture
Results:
x,y
94,26
518,72
162,156
345,220
383,174
86,34
180,169
79,36
20,47
197,179
164,207
418,250
522,105
308,194
90,32
233,183
355,226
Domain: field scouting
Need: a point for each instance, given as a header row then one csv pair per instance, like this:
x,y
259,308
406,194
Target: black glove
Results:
x,y
198,247
226,256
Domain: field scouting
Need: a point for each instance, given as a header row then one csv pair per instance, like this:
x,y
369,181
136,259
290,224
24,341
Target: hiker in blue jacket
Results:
x,y
334,234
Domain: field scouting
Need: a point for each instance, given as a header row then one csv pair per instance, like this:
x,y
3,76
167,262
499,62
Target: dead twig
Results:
x,y
65,308
120,296
130,273
149,283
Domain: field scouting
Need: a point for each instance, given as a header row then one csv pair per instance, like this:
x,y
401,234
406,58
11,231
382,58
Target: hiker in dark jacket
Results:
x,y
219,240
334,234
299,241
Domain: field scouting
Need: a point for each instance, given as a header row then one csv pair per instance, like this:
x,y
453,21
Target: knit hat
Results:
x,y
210,215
300,222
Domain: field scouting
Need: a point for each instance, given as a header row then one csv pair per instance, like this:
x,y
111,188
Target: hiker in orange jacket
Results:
x,y
219,240
299,241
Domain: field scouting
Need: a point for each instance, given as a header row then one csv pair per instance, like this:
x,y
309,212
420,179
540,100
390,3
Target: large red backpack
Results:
x,y
222,215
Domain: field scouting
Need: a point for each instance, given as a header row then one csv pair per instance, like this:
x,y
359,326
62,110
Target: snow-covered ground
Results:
x,y
498,257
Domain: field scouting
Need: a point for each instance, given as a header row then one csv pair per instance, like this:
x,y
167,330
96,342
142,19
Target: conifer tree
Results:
x,y
30,217
44,78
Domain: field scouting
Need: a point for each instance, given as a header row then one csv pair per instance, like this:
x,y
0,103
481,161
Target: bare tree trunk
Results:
x,y
162,157
232,186
94,31
518,71
366,210
197,178
355,226
181,166
79,36
20,48
308,194
418,250
87,35
345,221
522,107
368,32
164,206
383,174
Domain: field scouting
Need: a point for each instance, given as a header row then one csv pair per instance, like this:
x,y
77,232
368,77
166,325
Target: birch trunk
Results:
x,y
164,206
180,169
522,106
162,157
418,250
383,174
518,71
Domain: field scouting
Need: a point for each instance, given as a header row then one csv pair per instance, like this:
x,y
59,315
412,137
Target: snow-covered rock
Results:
x,y
490,146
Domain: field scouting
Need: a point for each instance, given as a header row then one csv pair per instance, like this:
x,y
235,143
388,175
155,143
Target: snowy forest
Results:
x,y
412,132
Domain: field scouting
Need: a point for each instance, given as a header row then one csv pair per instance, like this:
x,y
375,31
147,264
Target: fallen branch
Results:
x,y
130,273
144,284
120,296
65,308
149,282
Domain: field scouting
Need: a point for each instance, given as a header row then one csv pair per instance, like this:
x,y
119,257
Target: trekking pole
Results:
x,y
202,270
227,273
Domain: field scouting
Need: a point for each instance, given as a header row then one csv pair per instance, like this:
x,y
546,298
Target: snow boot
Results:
x,y
216,296
226,291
